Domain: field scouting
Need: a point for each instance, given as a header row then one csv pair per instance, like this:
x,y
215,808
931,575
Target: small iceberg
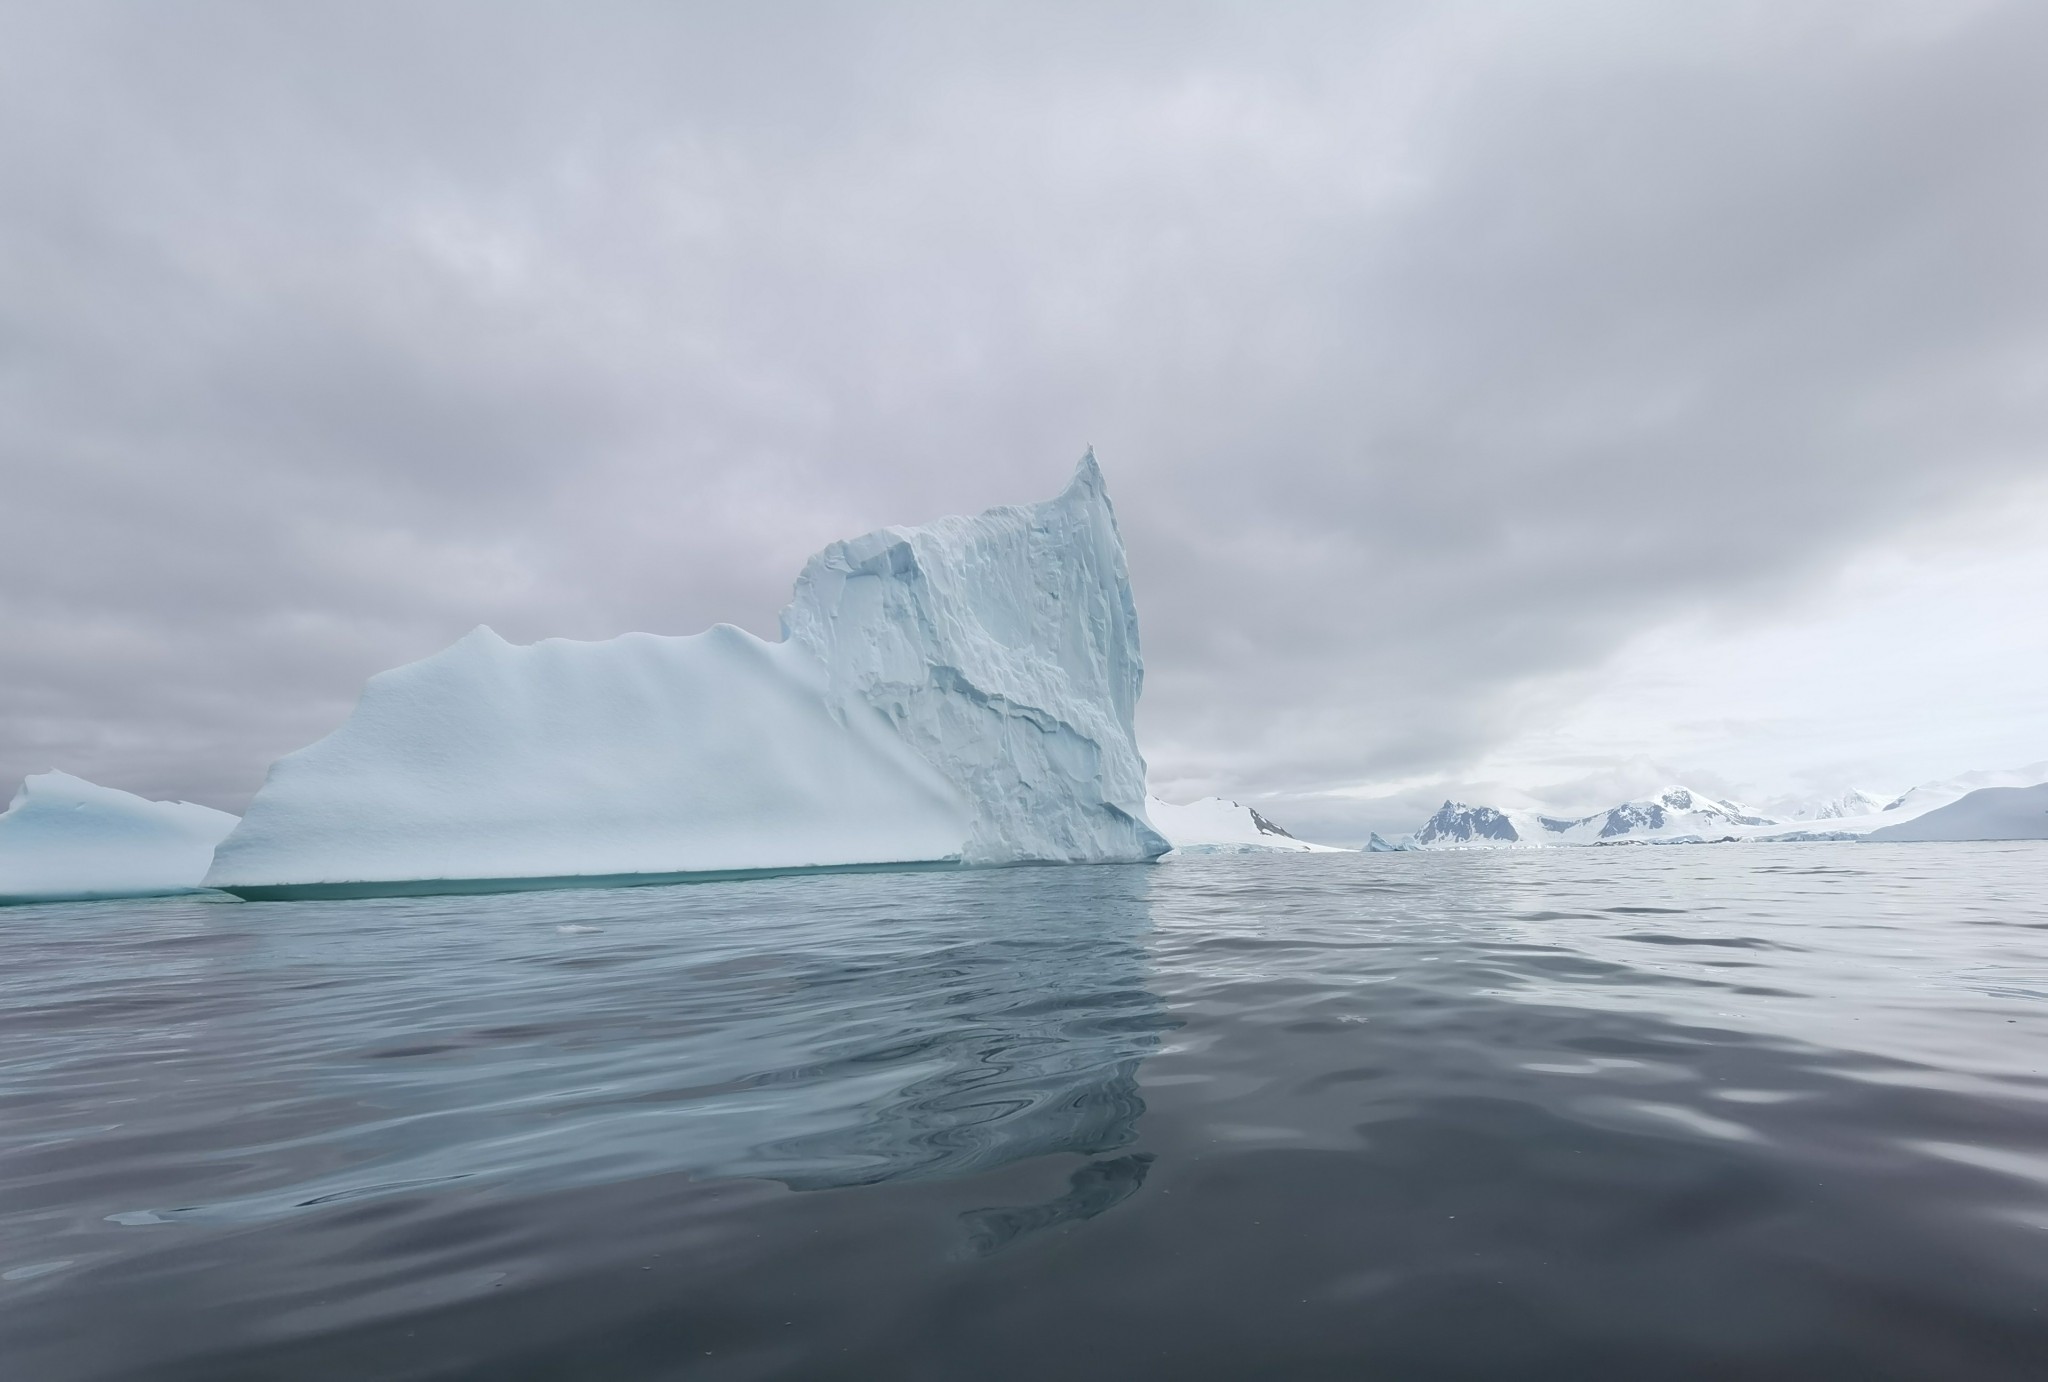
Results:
x,y
64,839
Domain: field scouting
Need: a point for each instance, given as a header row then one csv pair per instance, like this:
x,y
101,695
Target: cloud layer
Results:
x,y
1433,352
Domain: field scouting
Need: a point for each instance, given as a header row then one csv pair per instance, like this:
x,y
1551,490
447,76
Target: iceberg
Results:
x,y
1004,649
960,693
65,839
1989,813
1215,825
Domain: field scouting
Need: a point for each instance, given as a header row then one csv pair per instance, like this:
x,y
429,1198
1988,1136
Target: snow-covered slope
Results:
x,y
959,692
66,838
1989,813
1930,795
1215,825
1849,805
1004,649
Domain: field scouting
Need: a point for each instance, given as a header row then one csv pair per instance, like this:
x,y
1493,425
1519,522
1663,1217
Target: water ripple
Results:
x,y
1403,1115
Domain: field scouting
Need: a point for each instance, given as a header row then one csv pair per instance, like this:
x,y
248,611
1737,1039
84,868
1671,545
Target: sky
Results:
x,y
1552,399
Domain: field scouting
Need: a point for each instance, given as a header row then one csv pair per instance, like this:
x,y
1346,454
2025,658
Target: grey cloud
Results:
x,y
1431,351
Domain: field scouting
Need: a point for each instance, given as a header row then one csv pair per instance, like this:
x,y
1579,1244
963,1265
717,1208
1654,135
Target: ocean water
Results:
x,y
1760,1111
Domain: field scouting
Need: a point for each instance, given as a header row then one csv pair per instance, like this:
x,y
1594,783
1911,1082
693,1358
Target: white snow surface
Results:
x,y
958,692
64,838
1850,804
1930,795
1216,825
1004,649
1989,813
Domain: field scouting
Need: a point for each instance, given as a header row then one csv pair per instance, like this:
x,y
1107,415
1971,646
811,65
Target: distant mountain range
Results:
x,y
1681,815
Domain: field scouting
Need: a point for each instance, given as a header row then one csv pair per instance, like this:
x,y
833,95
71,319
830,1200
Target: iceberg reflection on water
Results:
x,y
822,1032
984,1049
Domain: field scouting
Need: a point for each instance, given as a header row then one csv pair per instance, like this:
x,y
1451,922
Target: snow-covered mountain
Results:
x,y
1677,813
1680,815
1215,825
1457,825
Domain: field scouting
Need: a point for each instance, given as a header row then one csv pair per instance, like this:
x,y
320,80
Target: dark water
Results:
x,y
1761,1111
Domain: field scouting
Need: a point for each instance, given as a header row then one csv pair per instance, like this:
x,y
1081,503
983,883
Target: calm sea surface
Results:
x,y
1757,1111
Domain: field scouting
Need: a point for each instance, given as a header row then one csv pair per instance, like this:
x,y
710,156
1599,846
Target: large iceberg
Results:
x,y
1004,648
957,693
65,839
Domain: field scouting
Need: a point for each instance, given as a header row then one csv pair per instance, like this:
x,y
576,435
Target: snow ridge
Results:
x,y
1217,825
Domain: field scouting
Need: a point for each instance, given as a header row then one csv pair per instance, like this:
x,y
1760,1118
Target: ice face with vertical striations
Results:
x,y
1004,649
958,693
66,839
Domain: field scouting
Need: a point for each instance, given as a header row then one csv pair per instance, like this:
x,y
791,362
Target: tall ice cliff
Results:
x,y
1004,649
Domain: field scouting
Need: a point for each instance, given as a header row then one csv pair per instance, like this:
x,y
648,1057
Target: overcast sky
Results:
x,y
1562,396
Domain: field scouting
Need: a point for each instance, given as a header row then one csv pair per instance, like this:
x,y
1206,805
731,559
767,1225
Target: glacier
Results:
x,y
1989,813
65,839
958,693
1217,825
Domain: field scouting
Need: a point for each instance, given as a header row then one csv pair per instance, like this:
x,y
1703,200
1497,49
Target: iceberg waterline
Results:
x,y
65,839
962,692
